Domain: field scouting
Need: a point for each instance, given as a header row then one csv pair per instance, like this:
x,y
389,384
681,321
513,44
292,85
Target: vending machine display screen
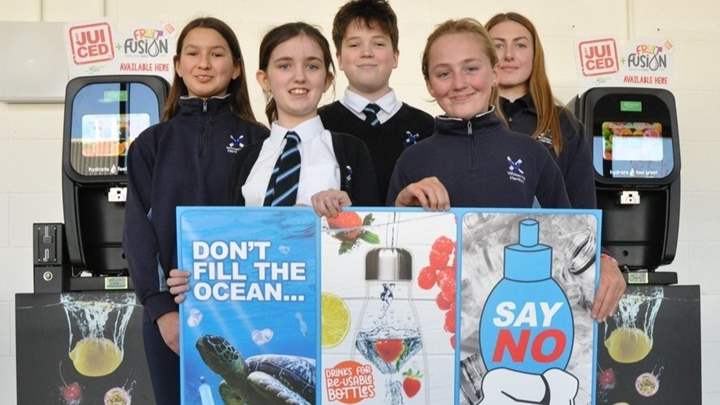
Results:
x,y
106,118
629,144
632,141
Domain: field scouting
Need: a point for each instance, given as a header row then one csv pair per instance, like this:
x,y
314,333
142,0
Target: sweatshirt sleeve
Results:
x,y
139,238
579,177
398,181
551,192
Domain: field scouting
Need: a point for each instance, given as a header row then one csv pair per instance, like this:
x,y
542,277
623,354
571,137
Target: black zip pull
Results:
x,y
469,128
205,105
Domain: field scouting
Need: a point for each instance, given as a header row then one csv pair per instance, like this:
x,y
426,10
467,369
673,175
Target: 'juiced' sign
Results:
x,y
527,324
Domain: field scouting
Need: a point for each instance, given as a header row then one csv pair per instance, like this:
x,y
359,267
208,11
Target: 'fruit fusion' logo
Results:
x,y
648,57
148,42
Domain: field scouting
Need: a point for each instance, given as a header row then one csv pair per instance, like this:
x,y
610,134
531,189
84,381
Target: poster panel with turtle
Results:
x,y
250,319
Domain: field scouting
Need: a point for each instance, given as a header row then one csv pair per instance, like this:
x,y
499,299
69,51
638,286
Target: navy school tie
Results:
x,y
371,117
283,186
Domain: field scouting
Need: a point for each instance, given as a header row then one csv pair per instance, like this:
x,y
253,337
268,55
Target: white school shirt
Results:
x,y
319,170
389,104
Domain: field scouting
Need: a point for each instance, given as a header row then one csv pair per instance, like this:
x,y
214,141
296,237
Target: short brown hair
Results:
x,y
370,13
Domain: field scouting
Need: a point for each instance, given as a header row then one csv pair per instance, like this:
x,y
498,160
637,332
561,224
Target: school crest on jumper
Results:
x,y
515,171
236,143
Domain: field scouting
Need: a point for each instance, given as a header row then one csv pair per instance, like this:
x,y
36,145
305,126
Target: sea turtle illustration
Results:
x,y
267,379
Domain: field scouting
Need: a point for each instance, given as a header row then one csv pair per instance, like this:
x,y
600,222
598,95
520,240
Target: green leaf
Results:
x,y
368,220
370,237
345,247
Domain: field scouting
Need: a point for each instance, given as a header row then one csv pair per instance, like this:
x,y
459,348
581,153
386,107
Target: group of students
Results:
x,y
367,149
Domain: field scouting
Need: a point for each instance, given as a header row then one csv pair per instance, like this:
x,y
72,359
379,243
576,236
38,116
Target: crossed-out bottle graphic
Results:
x,y
526,324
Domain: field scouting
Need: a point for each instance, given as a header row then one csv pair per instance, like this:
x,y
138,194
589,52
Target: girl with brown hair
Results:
x,y
185,160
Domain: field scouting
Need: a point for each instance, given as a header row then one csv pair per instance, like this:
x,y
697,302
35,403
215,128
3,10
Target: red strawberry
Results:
x,y
441,302
389,349
345,220
411,383
450,321
444,244
427,278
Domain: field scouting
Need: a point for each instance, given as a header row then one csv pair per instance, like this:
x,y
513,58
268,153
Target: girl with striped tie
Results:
x,y
302,163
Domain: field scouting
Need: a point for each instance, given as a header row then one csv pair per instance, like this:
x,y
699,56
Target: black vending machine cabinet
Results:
x,y
636,157
103,115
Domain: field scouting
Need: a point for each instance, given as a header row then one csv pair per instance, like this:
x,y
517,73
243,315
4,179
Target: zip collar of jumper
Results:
x,y
459,126
212,105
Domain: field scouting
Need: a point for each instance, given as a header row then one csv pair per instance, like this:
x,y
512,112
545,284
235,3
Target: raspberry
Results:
x,y
427,278
444,244
447,286
438,259
442,302
450,321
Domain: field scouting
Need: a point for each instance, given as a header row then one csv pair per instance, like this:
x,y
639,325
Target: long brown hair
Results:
x,y
239,98
286,32
548,112
463,25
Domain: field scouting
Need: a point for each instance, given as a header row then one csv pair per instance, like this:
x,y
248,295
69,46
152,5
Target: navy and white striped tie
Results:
x,y
283,186
371,117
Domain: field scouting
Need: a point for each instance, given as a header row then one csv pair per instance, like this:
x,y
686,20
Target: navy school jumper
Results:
x,y
187,160
482,164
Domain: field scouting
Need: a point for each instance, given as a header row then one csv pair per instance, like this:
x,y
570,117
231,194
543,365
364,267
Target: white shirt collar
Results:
x,y
307,130
388,103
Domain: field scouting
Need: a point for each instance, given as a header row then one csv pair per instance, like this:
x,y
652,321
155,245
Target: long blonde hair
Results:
x,y
548,112
463,25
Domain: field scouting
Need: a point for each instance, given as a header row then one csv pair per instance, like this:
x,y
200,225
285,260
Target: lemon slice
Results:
x,y
335,320
96,357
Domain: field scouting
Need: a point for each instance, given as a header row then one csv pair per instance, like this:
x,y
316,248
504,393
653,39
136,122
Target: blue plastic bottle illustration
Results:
x,y
205,392
527,323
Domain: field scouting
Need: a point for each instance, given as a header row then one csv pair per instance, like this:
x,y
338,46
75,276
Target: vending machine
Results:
x,y
636,157
103,115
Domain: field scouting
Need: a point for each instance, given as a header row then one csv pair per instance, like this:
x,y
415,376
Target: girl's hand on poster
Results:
x,y
503,386
610,291
169,326
330,203
179,284
428,193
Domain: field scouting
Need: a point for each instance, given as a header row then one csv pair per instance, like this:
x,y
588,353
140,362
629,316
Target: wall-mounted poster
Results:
x,y
80,348
649,351
388,306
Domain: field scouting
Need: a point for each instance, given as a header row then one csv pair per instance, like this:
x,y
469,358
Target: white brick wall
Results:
x,y
30,137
